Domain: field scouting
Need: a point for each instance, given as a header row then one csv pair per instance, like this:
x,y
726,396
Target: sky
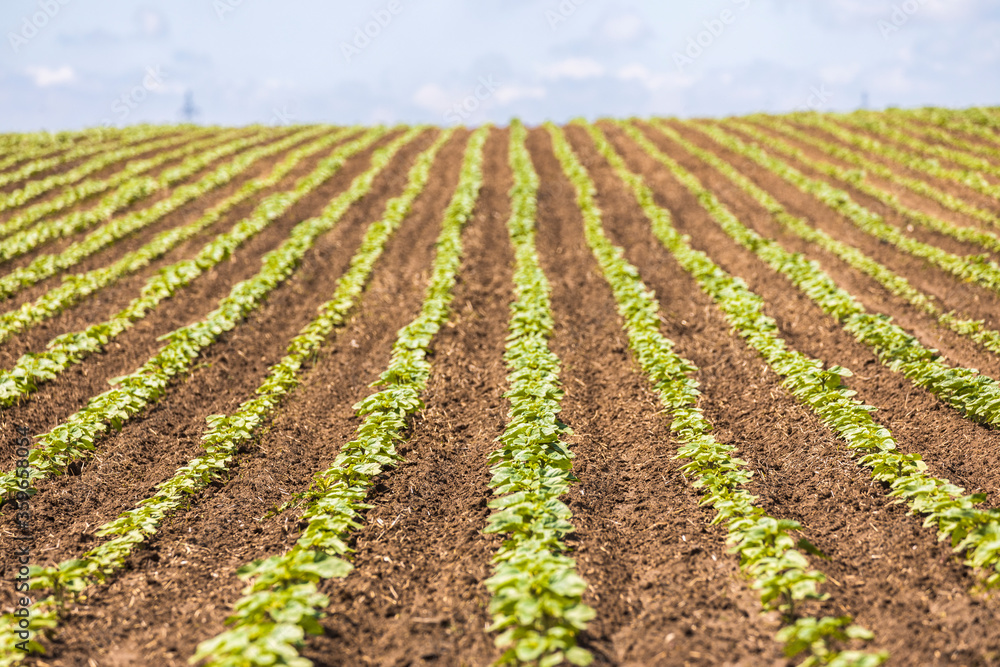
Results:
x,y
67,64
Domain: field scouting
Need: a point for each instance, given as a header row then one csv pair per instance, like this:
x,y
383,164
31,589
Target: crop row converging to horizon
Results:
x,y
792,332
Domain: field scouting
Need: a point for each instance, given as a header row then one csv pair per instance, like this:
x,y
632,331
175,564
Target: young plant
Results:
x,y
536,590
970,529
225,433
281,602
767,548
79,286
77,436
36,368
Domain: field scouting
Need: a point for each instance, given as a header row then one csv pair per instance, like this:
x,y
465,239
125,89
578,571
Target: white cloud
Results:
x,y
432,97
856,12
653,81
150,23
894,80
46,76
840,74
622,28
512,93
572,68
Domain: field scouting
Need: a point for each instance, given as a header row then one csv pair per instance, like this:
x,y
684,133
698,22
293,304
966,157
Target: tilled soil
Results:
x,y
417,596
953,187
103,173
148,450
57,245
968,298
658,574
960,450
71,389
886,570
69,165
870,293
178,591
114,297
902,193
107,255
660,577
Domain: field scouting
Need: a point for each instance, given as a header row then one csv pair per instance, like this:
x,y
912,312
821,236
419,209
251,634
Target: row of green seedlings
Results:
x,y
770,556
895,284
46,160
536,591
76,287
76,437
36,368
935,133
891,132
971,530
39,187
988,116
51,153
932,168
33,144
46,145
869,166
282,603
983,117
975,396
958,166
111,228
859,179
129,193
129,184
955,124
979,269
29,147
15,141
221,441
198,155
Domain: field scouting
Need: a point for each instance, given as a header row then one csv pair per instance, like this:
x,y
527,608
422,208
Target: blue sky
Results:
x,y
75,63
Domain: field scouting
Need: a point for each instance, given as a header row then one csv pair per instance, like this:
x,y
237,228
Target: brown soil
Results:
x,y
885,568
660,577
288,308
956,349
966,453
72,164
958,134
71,390
972,300
658,574
905,195
99,174
114,297
59,244
961,191
177,592
416,596
50,152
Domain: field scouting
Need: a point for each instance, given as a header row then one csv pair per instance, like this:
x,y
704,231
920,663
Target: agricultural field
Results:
x,y
632,392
